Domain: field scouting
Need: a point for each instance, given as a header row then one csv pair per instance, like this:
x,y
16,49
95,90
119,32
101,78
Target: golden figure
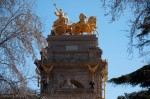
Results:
x,y
60,12
61,17
81,26
82,18
84,26
47,69
104,72
61,25
93,70
104,75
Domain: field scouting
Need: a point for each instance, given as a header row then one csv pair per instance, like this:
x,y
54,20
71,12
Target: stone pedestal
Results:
x,y
71,57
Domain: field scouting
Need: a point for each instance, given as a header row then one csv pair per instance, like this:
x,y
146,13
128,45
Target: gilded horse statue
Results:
x,y
81,26
84,26
61,25
92,24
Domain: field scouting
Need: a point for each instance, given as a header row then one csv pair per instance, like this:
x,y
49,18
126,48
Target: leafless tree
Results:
x,y
139,35
140,24
20,37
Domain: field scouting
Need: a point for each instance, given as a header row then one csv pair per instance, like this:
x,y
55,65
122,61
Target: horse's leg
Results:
x,y
66,20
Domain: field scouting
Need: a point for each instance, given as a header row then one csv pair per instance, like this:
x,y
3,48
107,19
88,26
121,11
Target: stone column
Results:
x,y
99,85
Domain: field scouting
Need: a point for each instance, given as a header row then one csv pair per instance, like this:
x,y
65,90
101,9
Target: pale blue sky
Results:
x,y
112,39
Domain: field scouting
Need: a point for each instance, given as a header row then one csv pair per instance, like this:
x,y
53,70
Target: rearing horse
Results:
x,y
81,26
92,24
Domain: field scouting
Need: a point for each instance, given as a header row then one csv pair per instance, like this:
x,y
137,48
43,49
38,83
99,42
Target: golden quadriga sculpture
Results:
x,y
62,27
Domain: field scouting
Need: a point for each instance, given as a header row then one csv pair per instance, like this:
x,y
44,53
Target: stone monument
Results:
x,y
71,66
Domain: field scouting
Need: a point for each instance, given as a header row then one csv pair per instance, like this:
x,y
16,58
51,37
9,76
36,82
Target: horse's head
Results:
x,y
92,20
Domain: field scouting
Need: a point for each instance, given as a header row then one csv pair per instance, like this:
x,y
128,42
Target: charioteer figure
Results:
x,y
62,19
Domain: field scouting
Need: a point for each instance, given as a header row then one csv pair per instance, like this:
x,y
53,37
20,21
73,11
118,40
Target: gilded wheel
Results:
x,y
76,29
60,30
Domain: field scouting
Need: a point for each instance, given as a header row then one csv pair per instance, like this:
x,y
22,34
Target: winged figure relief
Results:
x,y
93,68
47,69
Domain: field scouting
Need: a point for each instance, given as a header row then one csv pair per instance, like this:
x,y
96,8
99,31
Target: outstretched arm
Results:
x,y
56,14
56,8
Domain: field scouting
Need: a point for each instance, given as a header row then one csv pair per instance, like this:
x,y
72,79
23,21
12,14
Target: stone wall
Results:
x,y
76,48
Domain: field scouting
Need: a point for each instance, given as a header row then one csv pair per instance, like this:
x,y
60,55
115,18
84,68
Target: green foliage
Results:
x,y
139,37
136,95
139,77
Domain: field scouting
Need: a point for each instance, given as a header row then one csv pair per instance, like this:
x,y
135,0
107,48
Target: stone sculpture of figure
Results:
x,y
43,54
68,84
62,19
92,84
